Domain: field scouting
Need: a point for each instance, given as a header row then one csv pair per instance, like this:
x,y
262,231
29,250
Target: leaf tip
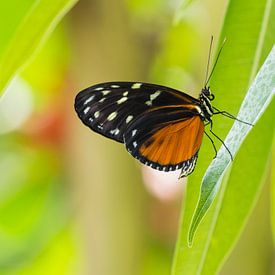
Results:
x,y
190,236
190,241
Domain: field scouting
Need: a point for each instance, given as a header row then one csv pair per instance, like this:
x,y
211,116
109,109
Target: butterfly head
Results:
x,y
207,93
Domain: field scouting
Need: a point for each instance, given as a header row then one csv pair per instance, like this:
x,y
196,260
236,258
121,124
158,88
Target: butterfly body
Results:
x,y
160,126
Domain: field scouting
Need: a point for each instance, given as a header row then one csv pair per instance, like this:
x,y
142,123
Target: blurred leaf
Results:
x,y
46,72
32,207
177,58
157,259
256,101
180,11
36,26
20,92
59,257
148,9
248,29
11,13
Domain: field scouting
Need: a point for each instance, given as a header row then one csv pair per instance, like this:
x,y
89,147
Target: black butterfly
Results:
x,y
160,126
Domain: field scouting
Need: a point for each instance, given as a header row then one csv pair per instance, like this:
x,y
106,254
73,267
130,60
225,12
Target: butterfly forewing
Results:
x,y
109,108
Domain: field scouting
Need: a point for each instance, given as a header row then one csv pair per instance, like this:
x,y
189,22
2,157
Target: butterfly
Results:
x,y
161,127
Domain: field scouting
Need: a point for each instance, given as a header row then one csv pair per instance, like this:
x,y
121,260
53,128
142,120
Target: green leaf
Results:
x,y
240,193
256,101
35,27
273,189
11,18
230,211
248,28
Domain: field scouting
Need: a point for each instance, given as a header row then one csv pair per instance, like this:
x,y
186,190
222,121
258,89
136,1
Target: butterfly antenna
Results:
x,y
208,61
219,53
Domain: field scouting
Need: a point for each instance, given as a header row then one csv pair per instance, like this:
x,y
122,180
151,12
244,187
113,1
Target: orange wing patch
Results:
x,y
174,143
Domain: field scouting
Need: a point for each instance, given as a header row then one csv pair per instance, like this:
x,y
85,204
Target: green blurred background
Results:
x,y
72,202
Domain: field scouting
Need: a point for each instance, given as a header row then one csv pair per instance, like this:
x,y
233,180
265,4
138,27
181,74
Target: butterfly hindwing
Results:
x,y
109,108
166,138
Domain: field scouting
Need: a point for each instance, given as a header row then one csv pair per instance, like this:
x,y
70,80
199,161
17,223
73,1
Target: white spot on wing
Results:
x,y
152,97
97,113
102,99
99,89
129,118
114,131
114,86
135,144
112,116
100,126
123,99
136,85
105,92
90,119
125,93
86,110
89,99
134,132
155,95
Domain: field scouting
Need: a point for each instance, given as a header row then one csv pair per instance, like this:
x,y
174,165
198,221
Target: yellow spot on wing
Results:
x,y
136,85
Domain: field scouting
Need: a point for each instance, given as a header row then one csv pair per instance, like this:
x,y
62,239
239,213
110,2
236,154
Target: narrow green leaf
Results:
x,y
239,193
32,32
248,28
273,189
256,101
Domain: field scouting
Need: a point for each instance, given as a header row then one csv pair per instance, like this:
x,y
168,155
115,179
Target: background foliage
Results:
x,y
72,202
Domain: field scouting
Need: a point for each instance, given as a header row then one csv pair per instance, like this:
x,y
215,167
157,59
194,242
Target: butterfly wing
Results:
x,y
166,138
109,108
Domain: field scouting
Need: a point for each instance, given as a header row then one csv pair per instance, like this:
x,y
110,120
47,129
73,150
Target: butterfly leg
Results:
x,y
211,124
226,114
213,144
